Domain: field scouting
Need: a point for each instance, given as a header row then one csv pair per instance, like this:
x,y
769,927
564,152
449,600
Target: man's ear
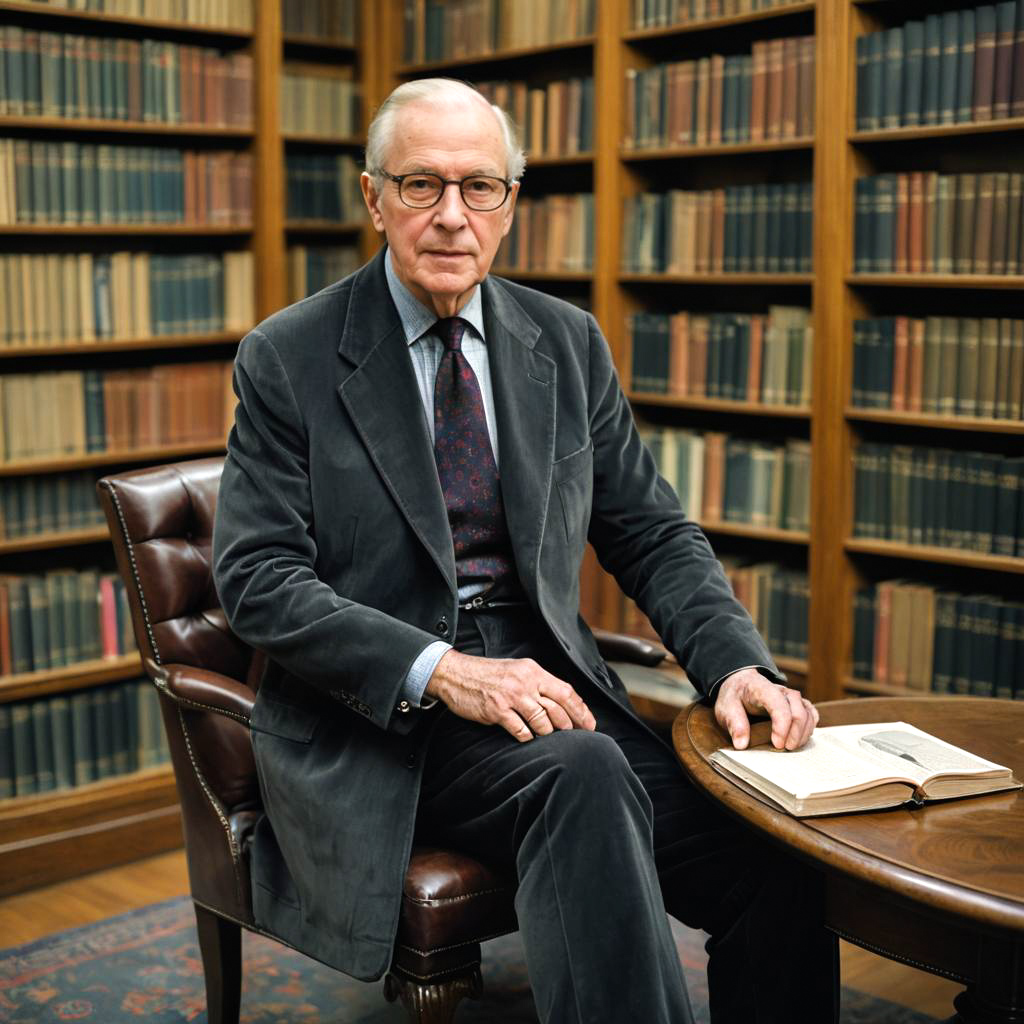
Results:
x,y
372,199
509,209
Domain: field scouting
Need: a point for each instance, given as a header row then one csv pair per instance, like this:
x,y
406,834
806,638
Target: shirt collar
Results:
x,y
416,318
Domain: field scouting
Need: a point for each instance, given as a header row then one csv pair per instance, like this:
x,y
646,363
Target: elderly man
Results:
x,y
420,454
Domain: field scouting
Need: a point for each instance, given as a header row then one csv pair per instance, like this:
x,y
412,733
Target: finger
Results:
x,y
569,700
812,720
515,726
557,715
538,721
732,716
799,720
774,699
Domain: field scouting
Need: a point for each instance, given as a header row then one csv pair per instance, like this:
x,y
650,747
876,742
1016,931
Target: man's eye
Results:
x,y
421,184
481,186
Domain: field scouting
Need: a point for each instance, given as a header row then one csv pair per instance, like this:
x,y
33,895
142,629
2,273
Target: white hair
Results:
x,y
380,134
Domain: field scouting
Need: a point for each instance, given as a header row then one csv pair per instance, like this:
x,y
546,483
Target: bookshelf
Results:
x,y
54,834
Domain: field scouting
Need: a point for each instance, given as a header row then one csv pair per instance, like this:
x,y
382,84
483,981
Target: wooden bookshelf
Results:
x,y
983,282
769,533
791,412
1004,125
735,278
723,22
79,676
637,154
945,556
974,424
482,60
59,834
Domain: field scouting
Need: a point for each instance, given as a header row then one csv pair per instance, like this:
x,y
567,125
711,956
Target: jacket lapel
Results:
x,y
384,402
523,381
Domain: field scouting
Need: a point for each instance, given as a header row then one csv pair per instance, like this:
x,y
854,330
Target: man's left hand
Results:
x,y
748,692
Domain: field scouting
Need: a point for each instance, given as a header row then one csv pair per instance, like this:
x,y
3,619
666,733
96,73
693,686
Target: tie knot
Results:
x,y
451,330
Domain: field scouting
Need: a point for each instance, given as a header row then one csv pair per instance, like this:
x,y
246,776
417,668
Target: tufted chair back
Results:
x,y
161,525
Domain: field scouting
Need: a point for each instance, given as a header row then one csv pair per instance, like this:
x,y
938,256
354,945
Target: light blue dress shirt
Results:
x,y
425,351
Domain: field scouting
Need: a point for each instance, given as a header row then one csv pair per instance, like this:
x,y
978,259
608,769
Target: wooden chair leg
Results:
x,y
220,946
433,1003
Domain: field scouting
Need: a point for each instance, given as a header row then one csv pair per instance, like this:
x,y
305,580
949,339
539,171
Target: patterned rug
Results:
x,y
145,966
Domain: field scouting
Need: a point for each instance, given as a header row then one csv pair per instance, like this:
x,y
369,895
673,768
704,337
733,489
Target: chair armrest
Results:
x,y
203,690
619,647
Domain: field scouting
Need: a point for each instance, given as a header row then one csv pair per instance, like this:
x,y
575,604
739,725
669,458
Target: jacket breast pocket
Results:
x,y
574,479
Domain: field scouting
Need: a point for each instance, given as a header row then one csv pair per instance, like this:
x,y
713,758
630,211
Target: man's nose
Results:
x,y
450,209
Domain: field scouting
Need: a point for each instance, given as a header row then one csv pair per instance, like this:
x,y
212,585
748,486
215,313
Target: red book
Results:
x,y
758,89
108,616
899,264
718,231
899,365
699,330
805,115
790,77
915,365
717,87
883,623
773,110
679,353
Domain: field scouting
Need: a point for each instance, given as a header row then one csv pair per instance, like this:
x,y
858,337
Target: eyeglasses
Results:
x,y
421,190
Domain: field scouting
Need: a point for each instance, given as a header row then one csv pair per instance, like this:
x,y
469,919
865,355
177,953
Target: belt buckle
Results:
x,y
474,603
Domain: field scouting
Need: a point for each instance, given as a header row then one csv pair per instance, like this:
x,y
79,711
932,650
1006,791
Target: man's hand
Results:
x,y
515,693
747,691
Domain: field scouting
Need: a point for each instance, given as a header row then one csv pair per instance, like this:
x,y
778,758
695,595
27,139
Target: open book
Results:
x,y
862,767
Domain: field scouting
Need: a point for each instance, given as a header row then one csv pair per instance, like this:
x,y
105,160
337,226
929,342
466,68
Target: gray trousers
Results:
x,y
604,833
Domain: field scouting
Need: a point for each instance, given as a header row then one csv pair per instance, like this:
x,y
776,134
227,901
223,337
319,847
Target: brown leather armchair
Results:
x,y
161,524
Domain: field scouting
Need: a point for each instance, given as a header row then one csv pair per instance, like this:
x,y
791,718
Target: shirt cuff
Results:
x,y
421,670
768,673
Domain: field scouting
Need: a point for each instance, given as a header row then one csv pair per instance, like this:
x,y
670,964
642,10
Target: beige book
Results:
x,y
988,365
8,207
33,276
85,296
70,309
845,768
922,634
140,327
669,467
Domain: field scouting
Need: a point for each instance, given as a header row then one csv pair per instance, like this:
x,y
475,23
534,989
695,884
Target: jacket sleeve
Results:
x,y
265,555
660,559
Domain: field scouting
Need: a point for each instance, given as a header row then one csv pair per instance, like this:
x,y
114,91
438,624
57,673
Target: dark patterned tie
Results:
x,y
466,466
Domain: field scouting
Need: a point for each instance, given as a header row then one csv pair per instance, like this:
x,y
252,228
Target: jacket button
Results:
x,y
442,627
410,761
404,706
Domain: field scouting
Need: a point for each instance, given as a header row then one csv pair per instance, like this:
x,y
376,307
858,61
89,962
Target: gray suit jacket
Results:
x,y
333,555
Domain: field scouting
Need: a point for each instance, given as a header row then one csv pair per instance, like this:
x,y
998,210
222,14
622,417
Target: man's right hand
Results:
x,y
515,693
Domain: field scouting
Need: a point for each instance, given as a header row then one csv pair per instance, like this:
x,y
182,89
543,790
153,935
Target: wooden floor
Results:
x,y
32,915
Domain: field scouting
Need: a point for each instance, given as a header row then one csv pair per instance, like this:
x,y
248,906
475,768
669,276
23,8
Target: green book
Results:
x,y
945,647
984,644
884,232
62,741
949,34
25,781
983,476
1008,496
931,362
988,366
1006,651
864,220
876,61
892,95
39,623
900,462
82,738
965,68
966,616
55,620
89,615
863,632
911,90
122,759
42,743
931,70
968,367
864,121
102,731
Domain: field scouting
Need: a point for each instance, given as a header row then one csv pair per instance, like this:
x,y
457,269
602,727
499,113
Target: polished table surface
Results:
x,y
939,886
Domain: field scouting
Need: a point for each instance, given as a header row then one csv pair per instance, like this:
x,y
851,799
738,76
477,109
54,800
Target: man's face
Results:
x,y
443,252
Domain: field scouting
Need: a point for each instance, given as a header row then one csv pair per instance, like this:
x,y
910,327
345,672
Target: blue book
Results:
x,y
911,88
931,69
965,68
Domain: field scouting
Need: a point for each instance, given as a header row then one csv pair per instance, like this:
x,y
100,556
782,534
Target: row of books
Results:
x,y
661,13
51,74
553,233
742,357
87,297
965,500
57,503
916,636
82,183
55,743
449,29
553,120
776,598
333,20
765,94
742,228
952,366
722,478
319,105
312,267
62,618
73,412
236,14
951,67
929,223
323,186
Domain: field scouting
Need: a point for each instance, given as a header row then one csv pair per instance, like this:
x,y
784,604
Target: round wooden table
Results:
x,y
940,887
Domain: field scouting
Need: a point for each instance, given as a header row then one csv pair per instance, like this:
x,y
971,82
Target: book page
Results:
x,y
897,747
822,765
836,760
